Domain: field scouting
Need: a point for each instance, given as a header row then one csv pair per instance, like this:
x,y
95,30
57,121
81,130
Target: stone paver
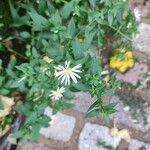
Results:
x,y
137,145
92,133
61,127
142,40
134,75
82,101
124,116
33,146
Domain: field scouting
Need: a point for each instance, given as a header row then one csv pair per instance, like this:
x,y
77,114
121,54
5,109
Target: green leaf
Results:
x,y
92,3
35,54
56,18
21,21
94,67
68,94
4,91
18,134
55,51
67,9
110,19
35,134
14,13
88,40
32,118
42,7
25,34
1,105
82,60
109,92
2,79
39,21
81,87
93,113
94,109
71,28
18,21
95,104
24,109
77,49
110,107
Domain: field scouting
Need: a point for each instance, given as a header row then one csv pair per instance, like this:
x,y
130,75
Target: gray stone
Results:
x,y
137,145
142,40
82,101
61,127
134,75
92,133
33,146
125,117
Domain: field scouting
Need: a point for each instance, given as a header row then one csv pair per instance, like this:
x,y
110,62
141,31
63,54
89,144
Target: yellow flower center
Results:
x,y
68,71
57,93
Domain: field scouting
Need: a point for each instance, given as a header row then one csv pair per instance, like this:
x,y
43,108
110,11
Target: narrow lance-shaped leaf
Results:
x,y
81,87
88,40
110,19
67,9
94,67
77,49
39,21
92,3
13,10
71,28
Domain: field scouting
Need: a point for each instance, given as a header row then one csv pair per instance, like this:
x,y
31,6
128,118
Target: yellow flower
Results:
x,y
122,59
112,64
122,69
114,131
129,54
123,134
47,59
130,63
118,63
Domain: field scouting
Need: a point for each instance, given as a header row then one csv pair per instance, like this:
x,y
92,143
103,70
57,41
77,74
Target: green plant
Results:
x,y
58,36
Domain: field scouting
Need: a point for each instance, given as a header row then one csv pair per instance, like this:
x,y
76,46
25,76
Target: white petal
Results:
x,y
77,66
64,77
58,73
62,89
76,75
58,68
60,76
75,70
67,64
56,97
73,78
68,78
51,94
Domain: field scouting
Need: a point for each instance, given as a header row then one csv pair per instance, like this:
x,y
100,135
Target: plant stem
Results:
x,y
11,50
118,31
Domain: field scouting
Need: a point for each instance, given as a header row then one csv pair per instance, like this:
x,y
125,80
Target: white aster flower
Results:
x,y
137,14
65,73
56,95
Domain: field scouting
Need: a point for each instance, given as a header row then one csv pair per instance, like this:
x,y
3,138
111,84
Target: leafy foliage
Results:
x,y
64,30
